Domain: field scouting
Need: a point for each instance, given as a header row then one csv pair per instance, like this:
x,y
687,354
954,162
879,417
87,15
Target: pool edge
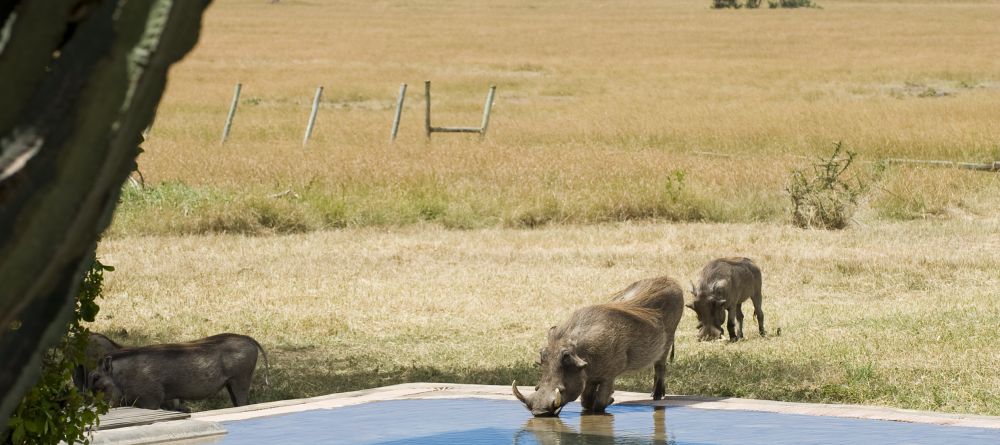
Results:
x,y
454,390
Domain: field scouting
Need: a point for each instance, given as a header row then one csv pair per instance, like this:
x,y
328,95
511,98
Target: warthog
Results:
x,y
147,376
725,284
98,346
597,343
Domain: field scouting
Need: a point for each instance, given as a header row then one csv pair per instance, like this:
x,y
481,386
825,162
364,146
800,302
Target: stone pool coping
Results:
x,y
172,431
206,423
453,391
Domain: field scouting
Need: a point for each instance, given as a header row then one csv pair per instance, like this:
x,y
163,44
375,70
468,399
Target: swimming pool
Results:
x,y
488,421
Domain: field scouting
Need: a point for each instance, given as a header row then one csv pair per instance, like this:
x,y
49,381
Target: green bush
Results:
x,y
723,4
826,198
791,4
754,4
54,409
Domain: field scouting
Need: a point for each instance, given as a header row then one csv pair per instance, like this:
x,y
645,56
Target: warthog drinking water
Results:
x,y
597,343
147,376
725,284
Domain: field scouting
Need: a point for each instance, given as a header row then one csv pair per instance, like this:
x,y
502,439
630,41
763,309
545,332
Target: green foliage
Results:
x,y
754,4
54,409
723,4
826,198
791,4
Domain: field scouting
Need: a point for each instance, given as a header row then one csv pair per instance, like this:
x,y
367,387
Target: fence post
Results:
x,y
232,113
399,110
486,110
427,102
312,117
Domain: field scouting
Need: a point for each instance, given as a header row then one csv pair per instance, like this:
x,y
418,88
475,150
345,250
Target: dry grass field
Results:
x,y
344,260
600,107
900,314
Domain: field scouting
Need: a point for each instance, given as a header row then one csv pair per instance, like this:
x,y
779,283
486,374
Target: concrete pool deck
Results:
x,y
206,423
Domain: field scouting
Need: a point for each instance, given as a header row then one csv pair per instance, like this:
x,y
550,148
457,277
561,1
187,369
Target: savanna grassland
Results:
x,y
603,112
627,140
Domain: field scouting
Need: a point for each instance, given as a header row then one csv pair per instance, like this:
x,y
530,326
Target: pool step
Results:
x,y
136,426
128,416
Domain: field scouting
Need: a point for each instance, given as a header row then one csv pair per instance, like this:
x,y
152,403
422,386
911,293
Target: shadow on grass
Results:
x,y
713,374
293,380
725,373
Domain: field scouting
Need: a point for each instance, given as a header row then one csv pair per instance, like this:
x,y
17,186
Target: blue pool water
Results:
x,y
484,421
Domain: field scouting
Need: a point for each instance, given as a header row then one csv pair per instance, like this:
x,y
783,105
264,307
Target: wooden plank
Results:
x,y
128,416
456,129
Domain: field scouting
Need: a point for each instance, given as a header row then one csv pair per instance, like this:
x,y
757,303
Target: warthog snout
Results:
x,y
709,333
537,403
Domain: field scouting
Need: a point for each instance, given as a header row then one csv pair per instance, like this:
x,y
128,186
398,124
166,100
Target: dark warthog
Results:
x,y
725,284
147,376
597,343
98,346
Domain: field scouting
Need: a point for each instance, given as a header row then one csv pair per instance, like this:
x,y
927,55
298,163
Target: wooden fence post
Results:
x,y
312,116
486,110
427,103
232,113
399,111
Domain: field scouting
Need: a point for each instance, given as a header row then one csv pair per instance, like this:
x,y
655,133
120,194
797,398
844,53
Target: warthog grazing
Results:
x,y
597,343
98,346
725,284
147,376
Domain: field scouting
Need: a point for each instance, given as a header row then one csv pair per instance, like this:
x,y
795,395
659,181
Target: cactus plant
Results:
x,y
81,81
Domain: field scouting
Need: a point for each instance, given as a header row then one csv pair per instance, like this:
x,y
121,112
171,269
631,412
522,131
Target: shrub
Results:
x,y
54,409
826,198
722,4
791,4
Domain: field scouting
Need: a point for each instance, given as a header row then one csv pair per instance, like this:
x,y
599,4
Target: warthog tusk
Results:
x,y
517,393
558,400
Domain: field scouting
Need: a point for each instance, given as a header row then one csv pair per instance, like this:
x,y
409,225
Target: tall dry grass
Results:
x,y
598,106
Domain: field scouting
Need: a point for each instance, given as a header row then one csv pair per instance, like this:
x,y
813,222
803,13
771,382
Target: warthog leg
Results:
x,y
739,322
602,397
659,369
239,390
758,313
175,405
589,392
731,324
152,399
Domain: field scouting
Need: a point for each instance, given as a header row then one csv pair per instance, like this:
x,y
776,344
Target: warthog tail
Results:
x,y
267,366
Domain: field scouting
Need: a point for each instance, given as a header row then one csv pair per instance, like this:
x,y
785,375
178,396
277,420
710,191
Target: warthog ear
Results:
x,y
720,284
105,364
552,332
570,359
